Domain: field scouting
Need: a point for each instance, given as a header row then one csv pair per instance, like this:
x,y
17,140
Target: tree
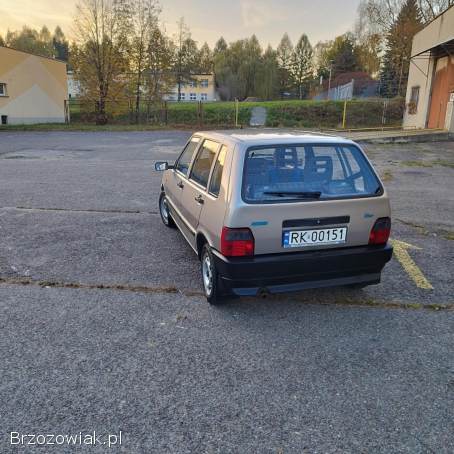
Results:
x,y
99,56
60,44
251,65
186,55
342,54
396,62
382,14
2,42
159,65
284,59
205,59
301,64
143,20
268,79
30,40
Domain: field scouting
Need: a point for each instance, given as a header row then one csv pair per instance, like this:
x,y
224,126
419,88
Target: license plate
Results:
x,y
301,238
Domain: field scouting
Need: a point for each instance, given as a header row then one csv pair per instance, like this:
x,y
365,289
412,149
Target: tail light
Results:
x,y
237,242
380,231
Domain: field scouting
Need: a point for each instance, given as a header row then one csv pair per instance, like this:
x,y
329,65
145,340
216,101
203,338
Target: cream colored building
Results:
x,y
430,89
201,88
33,89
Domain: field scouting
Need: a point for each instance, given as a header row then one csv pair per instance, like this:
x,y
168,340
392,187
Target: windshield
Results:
x,y
307,172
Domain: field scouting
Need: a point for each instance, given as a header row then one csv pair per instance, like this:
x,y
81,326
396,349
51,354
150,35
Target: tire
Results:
x,y
210,278
164,211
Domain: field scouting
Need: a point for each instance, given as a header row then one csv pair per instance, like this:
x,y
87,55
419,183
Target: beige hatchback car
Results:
x,y
277,212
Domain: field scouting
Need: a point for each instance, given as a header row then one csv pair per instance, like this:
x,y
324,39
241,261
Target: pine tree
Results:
x,y
302,66
396,61
284,59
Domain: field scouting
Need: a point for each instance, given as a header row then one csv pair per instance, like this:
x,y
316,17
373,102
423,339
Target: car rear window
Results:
x,y
307,172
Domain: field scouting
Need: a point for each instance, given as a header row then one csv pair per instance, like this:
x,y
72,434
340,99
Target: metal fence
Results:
x,y
320,114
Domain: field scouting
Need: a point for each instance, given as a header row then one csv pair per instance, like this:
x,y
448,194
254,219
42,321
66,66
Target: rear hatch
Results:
x,y
307,197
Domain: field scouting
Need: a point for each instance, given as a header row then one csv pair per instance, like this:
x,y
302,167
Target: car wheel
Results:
x,y
164,211
210,278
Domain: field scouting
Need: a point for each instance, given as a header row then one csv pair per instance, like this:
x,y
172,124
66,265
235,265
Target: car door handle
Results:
x,y
180,184
199,199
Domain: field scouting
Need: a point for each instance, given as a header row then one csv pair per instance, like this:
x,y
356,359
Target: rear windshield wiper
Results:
x,y
299,195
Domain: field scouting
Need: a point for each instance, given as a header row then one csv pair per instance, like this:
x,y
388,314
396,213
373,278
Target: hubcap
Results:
x,y
207,274
164,210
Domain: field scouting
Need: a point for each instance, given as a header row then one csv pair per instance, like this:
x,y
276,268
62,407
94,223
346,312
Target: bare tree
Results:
x,y
99,55
182,57
144,18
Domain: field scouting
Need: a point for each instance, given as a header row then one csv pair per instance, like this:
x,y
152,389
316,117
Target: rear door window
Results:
x,y
184,161
200,171
307,172
215,182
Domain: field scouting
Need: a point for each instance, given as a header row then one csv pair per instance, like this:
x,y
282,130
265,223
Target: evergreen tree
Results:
x,y
268,80
60,44
396,61
205,59
284,59
302,65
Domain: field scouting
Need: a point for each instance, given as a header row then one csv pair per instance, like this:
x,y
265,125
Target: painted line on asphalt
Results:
x,y
401,252
345,302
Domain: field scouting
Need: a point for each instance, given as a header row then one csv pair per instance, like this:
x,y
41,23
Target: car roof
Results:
x,y
264,137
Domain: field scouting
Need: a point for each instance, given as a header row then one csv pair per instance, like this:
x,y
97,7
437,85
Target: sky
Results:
x,y
209,19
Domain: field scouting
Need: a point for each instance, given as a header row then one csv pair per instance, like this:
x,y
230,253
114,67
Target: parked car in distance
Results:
x,y
277,212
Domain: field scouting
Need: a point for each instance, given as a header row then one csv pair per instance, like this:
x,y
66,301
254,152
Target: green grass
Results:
x,y
289,113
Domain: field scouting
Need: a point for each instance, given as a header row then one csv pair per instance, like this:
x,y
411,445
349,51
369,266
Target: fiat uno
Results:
x,y
277,212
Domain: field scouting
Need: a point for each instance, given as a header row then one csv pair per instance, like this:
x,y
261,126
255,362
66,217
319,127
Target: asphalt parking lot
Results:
x,y
104,327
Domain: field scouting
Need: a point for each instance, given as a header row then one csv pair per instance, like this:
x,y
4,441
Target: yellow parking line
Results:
x,y
402,255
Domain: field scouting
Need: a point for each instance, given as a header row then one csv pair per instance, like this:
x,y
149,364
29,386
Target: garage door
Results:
x,y
443,84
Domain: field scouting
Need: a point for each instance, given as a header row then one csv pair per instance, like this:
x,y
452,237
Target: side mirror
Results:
x,y
160,166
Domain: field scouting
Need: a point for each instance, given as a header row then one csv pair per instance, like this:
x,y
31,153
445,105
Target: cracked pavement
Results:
x,y
104,327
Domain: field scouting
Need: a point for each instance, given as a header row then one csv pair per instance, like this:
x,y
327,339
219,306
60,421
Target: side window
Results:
x,y
215,183
186,157
202,164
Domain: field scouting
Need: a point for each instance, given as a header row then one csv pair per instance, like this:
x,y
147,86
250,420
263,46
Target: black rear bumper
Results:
x,y
294,271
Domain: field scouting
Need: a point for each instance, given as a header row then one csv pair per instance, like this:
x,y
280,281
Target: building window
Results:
x,y
414,98
193,83
3,89
203,96
192,96
204,83
182,96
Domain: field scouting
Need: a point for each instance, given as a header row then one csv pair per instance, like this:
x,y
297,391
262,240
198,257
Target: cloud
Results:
x,y
258,14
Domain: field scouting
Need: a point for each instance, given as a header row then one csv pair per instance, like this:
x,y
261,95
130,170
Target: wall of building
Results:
x,y
436,33
36,88
440,30
196,89
420,75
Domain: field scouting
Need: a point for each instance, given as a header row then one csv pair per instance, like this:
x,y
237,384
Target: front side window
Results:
x,y
216,177
307,172
204,83
2,89
193,96
202,164
182,96
203,96
185,158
